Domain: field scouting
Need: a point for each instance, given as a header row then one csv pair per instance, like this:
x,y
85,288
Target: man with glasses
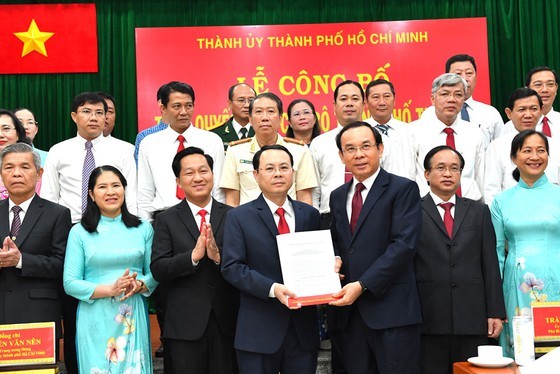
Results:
x,y
66,176
237,179
456,268
27,119
376,222
447,128
238,126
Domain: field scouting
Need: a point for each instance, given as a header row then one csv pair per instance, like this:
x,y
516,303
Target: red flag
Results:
x,y
48,38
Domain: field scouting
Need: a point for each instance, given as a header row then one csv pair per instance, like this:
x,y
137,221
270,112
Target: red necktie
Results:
x,y
447,218
283,227
546,127
357,203
180,193
202,213
450,142
347,175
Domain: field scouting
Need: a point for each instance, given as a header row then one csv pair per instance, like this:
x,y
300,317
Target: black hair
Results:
x,y
278,147
232,88
517,144
92,215
20,130
459,58
176,164
316,129
354,125
538,69
167,89
436,150
106,96
349,82
89,98
378,82
271,96
522,93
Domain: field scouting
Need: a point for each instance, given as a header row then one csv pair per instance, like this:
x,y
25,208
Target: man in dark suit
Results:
x,y
238,126
270,338
376,222
200,306
456,268
34,233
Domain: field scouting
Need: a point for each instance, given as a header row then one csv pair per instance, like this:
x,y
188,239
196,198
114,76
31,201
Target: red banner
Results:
x,y
305,61
48,38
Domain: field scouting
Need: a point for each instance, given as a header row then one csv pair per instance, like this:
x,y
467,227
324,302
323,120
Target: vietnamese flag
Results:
x,y
48,38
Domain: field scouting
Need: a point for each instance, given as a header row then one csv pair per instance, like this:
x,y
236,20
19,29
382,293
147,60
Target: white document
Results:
x,y
307,260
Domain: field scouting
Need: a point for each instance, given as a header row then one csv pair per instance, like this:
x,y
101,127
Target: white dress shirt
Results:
x,y
195,209
367,187
62,178
157,188
428,133
499,167
396,148
485,116
122,143
328,168
24,208
438,200
553,123
237,126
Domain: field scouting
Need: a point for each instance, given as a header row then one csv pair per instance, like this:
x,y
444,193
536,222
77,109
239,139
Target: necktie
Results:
x,y
447,218
243,133
546,127
283,227
16,222
179,191
89,165
347,175
384,129
464,113
450,141
202,213
357,203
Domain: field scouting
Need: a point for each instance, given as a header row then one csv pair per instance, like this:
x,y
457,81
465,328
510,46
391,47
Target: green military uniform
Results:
x,y
228,134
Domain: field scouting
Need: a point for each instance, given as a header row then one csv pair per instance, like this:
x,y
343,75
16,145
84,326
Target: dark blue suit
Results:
x,y
250,262
379,254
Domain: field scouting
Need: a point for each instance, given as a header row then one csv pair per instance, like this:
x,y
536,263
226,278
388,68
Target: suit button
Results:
x,y
351,250
453,266
448,245
210,286
454,286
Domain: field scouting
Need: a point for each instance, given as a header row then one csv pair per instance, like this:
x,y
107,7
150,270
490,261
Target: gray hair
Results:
x,y
21,148
446,80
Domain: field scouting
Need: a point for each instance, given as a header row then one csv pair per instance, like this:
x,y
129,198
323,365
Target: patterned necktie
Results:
x,y
546,127
450,141
283,227
384,129
243,133
179,191
202,213
357,203
89,165
16,222
347,175
447,218
464,113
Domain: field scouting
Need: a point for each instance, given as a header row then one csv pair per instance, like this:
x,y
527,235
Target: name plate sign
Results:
x,y
27,344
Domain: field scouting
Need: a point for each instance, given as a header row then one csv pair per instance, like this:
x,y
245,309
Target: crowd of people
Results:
x,y
443,229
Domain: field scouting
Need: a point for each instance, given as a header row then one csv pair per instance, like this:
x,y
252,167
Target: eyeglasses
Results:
x,y
442,169
88,112
364,147
6,129
284,169
306,112
538,84
242,101
29,123
446,95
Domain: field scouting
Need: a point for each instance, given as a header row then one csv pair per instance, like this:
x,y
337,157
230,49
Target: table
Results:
x,y
468,368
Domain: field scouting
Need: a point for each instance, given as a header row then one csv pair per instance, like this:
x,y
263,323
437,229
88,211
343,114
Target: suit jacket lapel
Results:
x,y
217,215
31,216
431,209
461,208
186,215
266,215
4,219
345,224
377,189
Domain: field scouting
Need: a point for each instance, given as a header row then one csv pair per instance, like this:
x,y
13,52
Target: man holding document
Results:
x,y
270,337
376,223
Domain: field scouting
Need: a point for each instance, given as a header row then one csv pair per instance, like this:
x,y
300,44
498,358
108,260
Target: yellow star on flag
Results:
x,y
33,39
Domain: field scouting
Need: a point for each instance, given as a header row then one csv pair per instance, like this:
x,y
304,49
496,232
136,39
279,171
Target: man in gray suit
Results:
x,y
456,269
